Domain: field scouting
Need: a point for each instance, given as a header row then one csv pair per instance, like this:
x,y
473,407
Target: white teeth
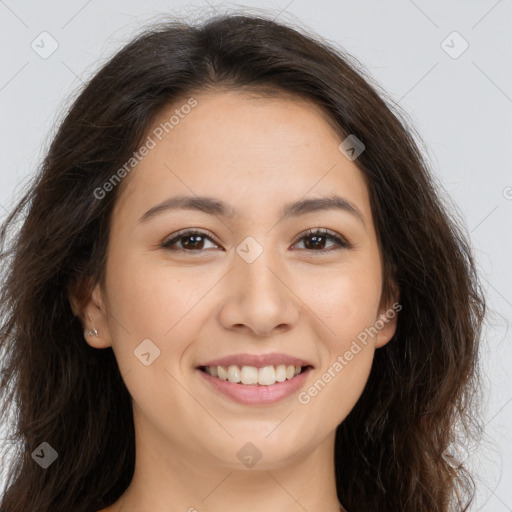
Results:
x,y
234,373
249,375
222,373
267,376
281,373
264,376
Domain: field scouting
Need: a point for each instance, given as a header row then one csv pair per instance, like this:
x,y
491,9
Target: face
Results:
x,y
191,283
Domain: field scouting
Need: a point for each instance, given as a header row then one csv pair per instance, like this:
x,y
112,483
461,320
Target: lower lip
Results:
x,y
257,394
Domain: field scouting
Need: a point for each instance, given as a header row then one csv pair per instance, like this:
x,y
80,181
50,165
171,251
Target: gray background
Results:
x,y
461,106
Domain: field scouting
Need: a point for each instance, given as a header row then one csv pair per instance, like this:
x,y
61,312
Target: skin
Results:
x,y
210,303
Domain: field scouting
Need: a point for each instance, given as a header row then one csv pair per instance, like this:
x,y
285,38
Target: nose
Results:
x,y
257,299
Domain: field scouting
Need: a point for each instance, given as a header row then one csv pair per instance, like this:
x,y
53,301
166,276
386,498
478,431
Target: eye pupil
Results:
x,y
194,242
315,239
197,239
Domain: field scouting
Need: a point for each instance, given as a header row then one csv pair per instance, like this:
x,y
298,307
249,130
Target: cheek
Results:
x,y
153,312
336,388
346,299
159,303
153,299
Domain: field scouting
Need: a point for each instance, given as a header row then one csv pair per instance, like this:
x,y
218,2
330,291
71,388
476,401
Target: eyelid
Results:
x,y
191,231
340,241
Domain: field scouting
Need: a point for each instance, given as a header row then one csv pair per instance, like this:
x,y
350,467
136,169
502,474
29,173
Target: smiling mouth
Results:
x,y
254,376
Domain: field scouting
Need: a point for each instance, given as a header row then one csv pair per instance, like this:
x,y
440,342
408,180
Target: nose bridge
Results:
x,y
257,297
255,268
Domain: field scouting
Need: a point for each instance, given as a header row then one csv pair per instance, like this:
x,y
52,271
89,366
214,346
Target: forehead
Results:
x,y
242,146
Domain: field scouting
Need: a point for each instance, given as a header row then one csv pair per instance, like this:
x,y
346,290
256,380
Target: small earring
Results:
x,y
92,333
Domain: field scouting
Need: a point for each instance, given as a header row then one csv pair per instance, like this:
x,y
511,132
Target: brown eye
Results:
x,y
316,240
193,241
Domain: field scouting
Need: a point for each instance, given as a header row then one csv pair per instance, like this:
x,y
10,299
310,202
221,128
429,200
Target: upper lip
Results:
x,y
257,360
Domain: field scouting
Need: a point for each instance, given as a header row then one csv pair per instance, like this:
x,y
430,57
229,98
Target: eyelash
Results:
x,y
329,235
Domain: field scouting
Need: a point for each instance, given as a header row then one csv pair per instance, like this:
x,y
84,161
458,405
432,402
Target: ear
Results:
x,y
387,317
91,310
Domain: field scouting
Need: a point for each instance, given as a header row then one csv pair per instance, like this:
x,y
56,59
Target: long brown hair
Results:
x,y
391,451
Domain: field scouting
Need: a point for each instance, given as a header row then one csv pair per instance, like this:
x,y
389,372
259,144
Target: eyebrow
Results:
x,y
212,206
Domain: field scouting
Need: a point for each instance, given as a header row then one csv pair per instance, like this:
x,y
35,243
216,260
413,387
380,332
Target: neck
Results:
x,y
169,476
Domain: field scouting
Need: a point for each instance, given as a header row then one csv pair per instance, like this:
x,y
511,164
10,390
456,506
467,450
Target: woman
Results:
x,y
236,286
